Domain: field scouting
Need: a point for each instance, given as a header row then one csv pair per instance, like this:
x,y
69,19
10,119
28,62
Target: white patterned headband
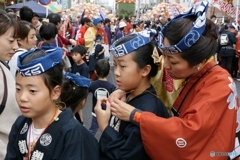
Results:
x,y
199,10
141,39
39,65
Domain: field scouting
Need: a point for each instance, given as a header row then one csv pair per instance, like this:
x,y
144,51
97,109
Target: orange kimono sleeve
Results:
x,y
206,127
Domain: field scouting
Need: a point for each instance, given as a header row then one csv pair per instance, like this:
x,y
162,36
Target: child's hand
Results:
x,y
103,113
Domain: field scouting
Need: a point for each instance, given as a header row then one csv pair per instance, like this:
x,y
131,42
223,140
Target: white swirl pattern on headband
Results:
x,y
41,64
199,10
140,40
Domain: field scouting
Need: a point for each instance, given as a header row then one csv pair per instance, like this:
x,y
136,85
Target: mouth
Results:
x,y
24,109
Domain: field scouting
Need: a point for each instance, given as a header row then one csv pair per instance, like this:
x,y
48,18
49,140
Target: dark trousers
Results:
x,y
226,63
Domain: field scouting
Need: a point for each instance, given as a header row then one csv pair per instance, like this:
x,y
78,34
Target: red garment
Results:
x,y
238,51
102,32
62,42
81,33
207,120
127,29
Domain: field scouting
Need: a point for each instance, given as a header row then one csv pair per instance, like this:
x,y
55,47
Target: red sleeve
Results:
x,y
80,40
105,37
65,41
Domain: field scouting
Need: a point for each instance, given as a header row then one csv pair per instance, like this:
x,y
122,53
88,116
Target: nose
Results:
x,y
116,71
166,63
21,96
15,45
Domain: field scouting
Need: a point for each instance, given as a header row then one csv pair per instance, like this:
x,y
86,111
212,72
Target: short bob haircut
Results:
x,y
25,28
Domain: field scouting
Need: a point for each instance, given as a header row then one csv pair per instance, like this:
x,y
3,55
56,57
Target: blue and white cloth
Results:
x,y
39,65
141,39
199,10
80,81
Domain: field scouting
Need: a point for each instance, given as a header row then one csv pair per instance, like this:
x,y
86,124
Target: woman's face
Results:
x,y
176,66
33,96
8,45
30,41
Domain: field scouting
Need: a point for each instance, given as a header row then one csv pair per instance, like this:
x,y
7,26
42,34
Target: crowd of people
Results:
x,y
174,97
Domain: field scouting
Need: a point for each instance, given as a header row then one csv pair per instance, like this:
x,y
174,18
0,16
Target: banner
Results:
x,y
226,7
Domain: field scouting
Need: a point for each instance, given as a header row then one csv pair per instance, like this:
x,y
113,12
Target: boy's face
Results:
x,y
77,58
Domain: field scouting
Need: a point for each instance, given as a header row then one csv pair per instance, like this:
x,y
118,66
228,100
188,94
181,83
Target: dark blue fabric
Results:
x,y
81,70
109,34
70,140
127,143
100,85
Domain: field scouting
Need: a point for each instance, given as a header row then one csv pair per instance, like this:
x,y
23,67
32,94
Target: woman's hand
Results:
x,y
118,94
121,109
103,113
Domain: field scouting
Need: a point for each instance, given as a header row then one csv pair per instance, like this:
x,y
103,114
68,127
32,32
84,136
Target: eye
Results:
x,y
122,66
17,90
33,91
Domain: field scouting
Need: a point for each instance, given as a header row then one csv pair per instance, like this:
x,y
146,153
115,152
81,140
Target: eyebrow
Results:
x,y
28,85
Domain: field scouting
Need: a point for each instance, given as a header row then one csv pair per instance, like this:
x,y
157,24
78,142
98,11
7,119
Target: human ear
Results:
x,y
56,91
146,70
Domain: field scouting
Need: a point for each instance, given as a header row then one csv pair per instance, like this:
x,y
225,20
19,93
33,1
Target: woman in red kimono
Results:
x,y
204,122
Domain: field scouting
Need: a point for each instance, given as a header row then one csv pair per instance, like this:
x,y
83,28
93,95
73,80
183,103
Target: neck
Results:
x,y
102,79
137,91
42,121
79,62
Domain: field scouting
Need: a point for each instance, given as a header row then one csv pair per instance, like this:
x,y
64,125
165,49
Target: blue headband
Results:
x,y
39,65
80,81
140,40
199,10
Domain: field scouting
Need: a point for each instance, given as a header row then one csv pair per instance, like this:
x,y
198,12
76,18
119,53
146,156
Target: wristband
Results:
x,y
135,116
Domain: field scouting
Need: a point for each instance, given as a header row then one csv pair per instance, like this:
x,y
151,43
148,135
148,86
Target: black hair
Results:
x,y
213,16
48,31
143,55
98,37
54,18
7,22
26,14
8,10
85,20
107,20
102,68
203,49
35,14
53,76
79,49
24,28
72,94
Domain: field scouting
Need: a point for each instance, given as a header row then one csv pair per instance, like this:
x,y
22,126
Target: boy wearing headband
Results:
x,y
204,122
43,131
134,66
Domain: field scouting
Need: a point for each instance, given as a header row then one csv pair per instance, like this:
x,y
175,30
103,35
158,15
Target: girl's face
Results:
x,y
176,66
8,45
33,96
127,73
30,41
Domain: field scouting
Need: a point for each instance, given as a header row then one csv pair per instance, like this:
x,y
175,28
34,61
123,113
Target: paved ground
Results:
x,y
87,109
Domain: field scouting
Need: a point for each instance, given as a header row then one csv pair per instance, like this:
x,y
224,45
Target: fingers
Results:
x,y
99,103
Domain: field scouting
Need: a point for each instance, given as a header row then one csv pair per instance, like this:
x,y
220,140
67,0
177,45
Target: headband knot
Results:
x,y
199,10
80,81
